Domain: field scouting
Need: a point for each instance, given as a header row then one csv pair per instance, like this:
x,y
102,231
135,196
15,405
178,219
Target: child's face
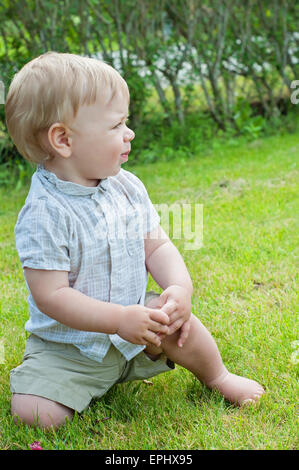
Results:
x,y
100,137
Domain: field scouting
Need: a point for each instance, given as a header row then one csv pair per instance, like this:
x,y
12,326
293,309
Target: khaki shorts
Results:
x,y
59,372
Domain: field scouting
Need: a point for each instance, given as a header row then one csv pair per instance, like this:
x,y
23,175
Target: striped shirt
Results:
x,y
97,235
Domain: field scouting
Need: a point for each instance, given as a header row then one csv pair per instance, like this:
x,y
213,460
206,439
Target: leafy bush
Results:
x,y
156,141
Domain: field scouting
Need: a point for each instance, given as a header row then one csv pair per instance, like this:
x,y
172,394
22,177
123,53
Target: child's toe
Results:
x,y
248,401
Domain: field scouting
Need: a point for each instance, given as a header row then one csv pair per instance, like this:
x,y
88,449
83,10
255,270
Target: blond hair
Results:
x,y
50,89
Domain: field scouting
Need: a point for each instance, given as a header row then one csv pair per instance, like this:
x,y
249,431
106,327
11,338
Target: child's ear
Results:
x,y
60,139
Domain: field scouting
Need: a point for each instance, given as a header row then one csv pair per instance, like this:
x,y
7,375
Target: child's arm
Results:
x,y
168,269
54,297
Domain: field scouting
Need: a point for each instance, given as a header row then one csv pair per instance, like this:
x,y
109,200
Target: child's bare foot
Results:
x,y
236,389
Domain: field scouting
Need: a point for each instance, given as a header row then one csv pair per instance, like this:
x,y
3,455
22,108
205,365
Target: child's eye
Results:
x,y
121,123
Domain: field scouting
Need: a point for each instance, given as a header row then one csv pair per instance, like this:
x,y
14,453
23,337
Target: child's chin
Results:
x,y
115,171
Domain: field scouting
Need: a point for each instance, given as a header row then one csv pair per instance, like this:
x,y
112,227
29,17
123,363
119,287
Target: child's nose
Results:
x,y
129,135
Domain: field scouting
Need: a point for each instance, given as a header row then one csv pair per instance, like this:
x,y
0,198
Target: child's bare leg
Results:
x,y
201,356
35,410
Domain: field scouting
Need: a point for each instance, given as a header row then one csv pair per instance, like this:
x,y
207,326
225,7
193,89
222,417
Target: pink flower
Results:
x,y
36,445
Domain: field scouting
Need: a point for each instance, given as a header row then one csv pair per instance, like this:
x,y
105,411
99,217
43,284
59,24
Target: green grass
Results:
x,y
244,280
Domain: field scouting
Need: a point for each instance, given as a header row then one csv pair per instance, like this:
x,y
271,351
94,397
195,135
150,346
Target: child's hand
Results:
x,y
141,325
177,304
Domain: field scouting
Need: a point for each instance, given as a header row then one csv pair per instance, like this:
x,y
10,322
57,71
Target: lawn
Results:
x,y
245,291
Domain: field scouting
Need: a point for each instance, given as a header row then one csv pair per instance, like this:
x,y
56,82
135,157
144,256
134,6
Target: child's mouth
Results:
x,y
125,156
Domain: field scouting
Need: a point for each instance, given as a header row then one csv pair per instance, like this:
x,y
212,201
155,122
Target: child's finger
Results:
x,y
158,316
175,326
169,307
174,316
158,327
161,335
184,334
152,338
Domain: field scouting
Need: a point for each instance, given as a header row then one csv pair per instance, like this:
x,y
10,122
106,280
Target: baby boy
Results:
x,y
87,237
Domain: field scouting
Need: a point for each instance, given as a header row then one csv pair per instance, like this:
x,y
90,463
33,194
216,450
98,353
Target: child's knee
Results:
x,y
38,411
154,302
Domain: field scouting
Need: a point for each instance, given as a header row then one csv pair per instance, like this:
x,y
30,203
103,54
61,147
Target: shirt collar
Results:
x,y
68,187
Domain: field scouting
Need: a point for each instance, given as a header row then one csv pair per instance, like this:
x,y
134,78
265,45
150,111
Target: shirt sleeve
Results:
x,y
42,236
151,218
